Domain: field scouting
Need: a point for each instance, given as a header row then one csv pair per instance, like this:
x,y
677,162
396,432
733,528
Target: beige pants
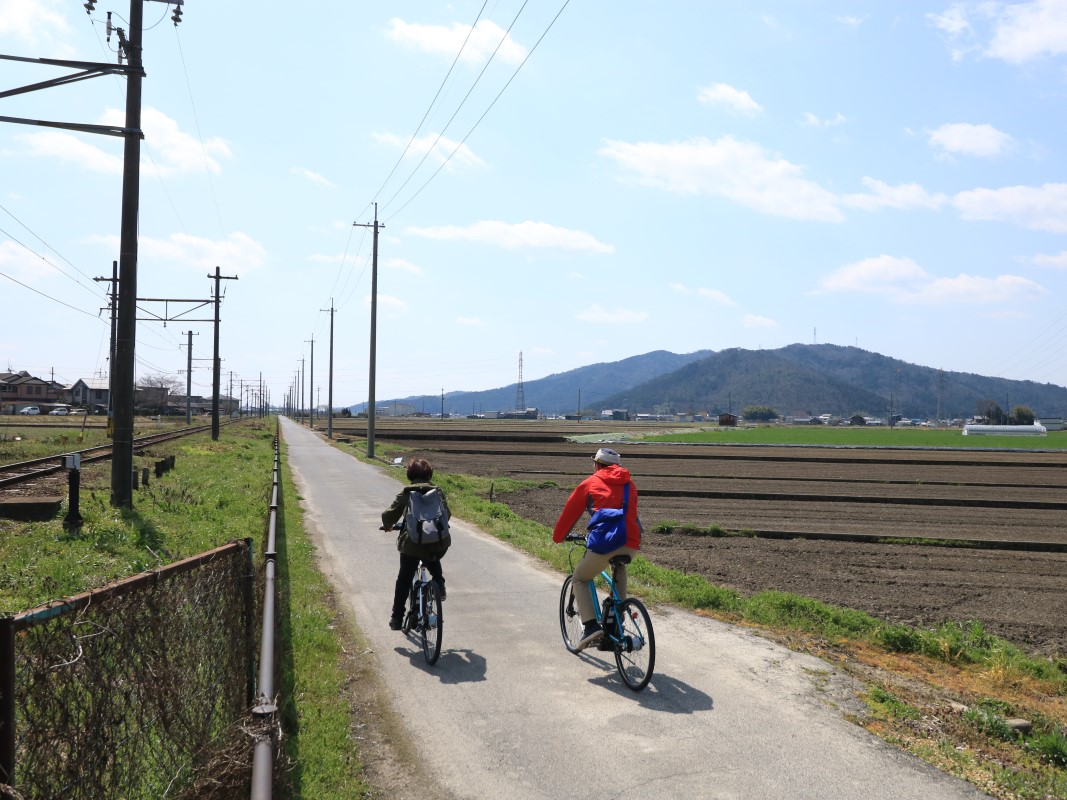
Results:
x,y
588,568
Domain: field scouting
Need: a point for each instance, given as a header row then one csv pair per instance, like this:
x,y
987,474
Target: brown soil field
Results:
x,y
820,518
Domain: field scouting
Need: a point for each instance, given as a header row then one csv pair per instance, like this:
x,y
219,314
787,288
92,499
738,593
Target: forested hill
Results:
x,y
557,393
814,379
798,379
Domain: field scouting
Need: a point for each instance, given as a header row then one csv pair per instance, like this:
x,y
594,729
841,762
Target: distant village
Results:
x,y
21,393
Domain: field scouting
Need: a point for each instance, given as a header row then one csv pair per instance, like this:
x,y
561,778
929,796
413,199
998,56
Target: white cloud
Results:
x,y
904,281
983,141
238,254
70,149
1058,261
743,172
392,306
726,95
1042,208
1017,32
34,22
19,263
523,235
903,196
596,313
446,41
711,294
756,321
440,147
851,21
1029,30
167,150
815,122
314,177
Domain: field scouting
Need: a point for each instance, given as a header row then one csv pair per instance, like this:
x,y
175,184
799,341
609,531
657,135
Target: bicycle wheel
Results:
x,y
635,656
570,621
432,623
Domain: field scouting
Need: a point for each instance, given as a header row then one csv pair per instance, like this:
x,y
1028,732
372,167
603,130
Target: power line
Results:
x,y
487,110
430,149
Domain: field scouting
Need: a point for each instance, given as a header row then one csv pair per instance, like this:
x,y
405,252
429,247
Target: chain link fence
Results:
x,y
126,691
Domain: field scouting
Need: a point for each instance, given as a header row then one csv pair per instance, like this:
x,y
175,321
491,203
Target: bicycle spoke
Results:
x,y
636,657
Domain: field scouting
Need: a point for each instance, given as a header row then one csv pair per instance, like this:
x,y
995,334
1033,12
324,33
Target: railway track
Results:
x,y
20,472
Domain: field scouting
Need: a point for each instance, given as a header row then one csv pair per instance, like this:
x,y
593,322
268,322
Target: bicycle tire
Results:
x,y
570,621
635,654
433,622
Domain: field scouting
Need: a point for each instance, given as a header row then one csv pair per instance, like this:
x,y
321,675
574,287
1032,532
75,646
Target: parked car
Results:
x,y
30,410
62,411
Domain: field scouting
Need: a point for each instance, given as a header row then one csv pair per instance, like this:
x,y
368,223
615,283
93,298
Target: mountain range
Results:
x,y
796,380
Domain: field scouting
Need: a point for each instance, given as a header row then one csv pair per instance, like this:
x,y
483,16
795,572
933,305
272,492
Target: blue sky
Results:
x,y
576,181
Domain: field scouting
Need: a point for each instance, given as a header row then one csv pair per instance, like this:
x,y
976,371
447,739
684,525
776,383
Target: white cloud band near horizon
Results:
x,y
516,236
755,178
902,280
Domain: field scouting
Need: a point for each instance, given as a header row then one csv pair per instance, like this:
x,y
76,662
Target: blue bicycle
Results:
x,y
627,626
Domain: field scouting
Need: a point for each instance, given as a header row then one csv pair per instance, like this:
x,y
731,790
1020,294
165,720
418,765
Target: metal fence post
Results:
x,y
7,701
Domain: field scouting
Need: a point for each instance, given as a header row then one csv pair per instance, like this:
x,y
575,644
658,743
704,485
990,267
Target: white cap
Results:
x,y
605,455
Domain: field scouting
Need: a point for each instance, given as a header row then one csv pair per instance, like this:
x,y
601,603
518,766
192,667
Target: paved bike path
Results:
x,y
507,712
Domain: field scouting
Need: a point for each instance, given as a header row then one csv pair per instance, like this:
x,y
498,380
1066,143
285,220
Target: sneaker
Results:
x,y
395,622
592,633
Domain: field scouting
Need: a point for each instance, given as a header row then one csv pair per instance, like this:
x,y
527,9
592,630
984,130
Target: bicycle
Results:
x,y
424,615
627,626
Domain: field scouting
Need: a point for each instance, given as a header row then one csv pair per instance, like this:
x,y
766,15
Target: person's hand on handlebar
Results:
x,y
574,537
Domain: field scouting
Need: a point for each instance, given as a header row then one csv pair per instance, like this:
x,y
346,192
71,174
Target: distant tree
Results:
x,y
161,380
346,412
1022,415
760,413
991,412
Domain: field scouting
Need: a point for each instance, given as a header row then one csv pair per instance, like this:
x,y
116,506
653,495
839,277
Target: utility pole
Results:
x,y
302,406
311,385
373,330
329,391
122,369
189,380
216,365
114,281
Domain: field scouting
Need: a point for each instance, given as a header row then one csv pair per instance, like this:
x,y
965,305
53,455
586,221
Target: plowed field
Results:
x,y
821,517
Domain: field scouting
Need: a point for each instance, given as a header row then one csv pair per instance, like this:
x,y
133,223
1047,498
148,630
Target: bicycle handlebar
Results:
x,y
574,537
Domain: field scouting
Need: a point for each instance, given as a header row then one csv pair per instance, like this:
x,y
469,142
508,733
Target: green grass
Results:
x,y
847,436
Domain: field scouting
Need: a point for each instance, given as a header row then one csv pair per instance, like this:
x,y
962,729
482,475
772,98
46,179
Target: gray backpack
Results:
x,y
426,518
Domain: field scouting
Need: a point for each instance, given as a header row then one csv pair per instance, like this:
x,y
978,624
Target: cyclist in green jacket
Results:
x,y
419,473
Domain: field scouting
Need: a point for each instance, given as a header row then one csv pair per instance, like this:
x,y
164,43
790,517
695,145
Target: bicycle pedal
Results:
x,y
605,644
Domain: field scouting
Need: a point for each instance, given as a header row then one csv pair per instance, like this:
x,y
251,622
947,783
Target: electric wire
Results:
x,y
440,134
433,102
487,110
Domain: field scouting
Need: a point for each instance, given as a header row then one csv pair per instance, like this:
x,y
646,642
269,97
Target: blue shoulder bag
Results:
x,y
607,526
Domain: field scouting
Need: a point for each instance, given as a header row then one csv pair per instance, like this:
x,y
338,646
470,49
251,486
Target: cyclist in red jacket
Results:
x,y
602,489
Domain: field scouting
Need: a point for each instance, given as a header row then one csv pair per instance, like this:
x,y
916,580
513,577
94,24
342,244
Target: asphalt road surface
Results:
x,y
507,712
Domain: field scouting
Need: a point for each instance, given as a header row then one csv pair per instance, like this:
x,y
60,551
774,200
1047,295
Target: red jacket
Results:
x,y
603,489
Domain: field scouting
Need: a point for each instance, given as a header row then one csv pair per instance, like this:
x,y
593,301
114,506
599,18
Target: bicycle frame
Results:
x,y
631,638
